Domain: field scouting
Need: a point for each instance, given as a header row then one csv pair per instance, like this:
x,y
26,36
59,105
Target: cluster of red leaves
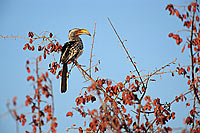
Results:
x,y
51,47
173,11
115,112
191,9
102,120
85,99
187,21
148,105
162,115
191,21
27,45
128,97
14,100
48,110
181,71
21,118
176,37
181,97
28,100
113,89
53,68
42,89
54,47
69,114
164,130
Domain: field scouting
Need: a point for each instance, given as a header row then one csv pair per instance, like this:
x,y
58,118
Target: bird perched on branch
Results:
x,y
70,52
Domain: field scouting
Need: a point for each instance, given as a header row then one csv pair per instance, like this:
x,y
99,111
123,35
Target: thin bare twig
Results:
x,y
33,38
135,67
13,116
173,62
126,51
92,49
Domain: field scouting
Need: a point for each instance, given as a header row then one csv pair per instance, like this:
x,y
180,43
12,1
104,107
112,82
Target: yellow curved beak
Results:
x,y
83,32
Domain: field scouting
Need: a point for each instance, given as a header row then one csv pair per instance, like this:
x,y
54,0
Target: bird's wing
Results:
x,y
69,51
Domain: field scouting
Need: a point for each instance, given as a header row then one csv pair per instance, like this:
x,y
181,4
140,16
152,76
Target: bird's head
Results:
x,y
74,33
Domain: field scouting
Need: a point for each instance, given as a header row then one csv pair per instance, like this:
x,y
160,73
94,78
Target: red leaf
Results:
x,y
189,81
197,18
40,58
188,45
96,69
29,47
189,8
39,48
28,69
26,46
170,34
47,74
14,100
177,13
69,114
50,35
169,129
31,41
175,36
45,56
30,78
187,104
183,49
194,9
48,47
184,16
195,49
188,68
180,40
30,34
32,48
128,78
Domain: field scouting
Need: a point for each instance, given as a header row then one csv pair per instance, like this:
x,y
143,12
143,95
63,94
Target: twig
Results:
x,y
33,38
13,116
92,49
126,50
133,66
38,95
52,103
154,73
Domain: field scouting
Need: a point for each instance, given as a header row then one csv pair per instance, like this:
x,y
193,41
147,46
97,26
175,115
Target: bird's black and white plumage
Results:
x,y
70,52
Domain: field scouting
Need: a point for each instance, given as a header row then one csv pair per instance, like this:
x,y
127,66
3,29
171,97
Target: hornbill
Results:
x,y
70,52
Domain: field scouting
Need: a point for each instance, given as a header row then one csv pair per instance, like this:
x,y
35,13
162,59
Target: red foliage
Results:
x,y
14,100
69,114
122,105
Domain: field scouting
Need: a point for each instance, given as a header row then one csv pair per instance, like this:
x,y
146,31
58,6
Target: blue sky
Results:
x,y
144,24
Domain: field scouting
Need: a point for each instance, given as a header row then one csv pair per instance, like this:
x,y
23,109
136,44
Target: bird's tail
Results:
x,y
64,80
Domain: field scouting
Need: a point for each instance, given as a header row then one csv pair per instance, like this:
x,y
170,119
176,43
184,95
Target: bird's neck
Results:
x,y
76,38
